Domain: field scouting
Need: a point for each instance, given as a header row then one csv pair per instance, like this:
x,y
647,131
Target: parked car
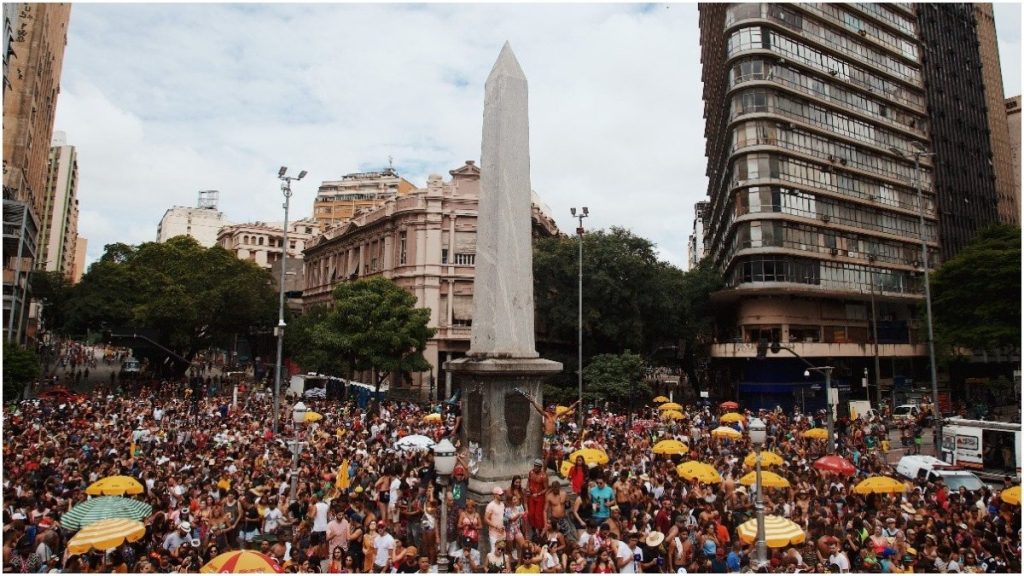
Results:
x,y
931,469
906,412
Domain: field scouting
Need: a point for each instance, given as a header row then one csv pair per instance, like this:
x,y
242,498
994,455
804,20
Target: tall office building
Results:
x,y
34,39
338,201
1006,180
1006,213
813,114
969,169
60,210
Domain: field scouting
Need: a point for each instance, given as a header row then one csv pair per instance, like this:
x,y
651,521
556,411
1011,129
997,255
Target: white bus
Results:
x,y
990,448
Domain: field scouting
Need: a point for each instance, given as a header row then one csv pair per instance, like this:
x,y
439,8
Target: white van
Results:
x,y
906,412
931,468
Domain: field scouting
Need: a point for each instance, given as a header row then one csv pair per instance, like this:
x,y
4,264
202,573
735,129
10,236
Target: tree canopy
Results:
x,y
615,377
631,301
21,366
189,296
373,325
976,295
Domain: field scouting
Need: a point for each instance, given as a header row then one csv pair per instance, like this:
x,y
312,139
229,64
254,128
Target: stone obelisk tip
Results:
x,y
506,64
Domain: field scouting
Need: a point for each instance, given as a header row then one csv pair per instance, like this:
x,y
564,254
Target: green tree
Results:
x,y
615,377
54,290
301,345
190,296
21,367
373,325
976,295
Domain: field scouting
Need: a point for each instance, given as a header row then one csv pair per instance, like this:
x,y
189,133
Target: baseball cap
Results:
x,y
497,491
538,462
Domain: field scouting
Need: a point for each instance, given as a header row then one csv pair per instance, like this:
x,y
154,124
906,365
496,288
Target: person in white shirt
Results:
x,y
384,547
838,557
637,552
623,554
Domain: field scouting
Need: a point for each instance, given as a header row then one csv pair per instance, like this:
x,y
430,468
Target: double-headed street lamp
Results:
x,y
936,411
758,434
286,188
444,465
579,232
298,418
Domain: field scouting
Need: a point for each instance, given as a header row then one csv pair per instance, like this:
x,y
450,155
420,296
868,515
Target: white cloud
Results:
x,y
164,100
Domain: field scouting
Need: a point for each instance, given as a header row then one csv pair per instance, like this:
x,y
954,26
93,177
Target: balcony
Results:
x,y
823,350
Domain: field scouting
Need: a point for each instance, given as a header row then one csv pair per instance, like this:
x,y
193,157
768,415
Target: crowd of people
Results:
x,y
218,479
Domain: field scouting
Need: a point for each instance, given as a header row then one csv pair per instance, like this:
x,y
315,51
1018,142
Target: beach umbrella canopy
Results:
x,y
726,432
672,415
767,459
591,456
314,416
732,417
241,562
1011,495
880,485
816,434
103,508
115,486
729,405
435,417
671,447
778,532
660,399
769,479
698,471
414,443
671,406
836,464
106,534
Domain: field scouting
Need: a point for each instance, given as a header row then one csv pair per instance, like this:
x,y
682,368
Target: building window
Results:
x,y
444,255
401,248
465,259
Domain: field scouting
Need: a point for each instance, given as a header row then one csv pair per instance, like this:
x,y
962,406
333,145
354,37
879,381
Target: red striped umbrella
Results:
x,y
241,562
836,464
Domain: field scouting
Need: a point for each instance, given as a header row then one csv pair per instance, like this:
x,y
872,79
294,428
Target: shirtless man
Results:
x,y
550,420
558,518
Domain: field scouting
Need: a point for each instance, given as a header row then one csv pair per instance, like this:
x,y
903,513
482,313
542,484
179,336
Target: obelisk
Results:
x,y
502,429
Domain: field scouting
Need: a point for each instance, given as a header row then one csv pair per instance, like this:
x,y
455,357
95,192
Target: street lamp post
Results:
x,y
444,465
827,371
757,436
298,418
579,232
286,188
936,411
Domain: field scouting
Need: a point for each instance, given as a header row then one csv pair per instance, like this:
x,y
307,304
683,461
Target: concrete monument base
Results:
x,y
500,427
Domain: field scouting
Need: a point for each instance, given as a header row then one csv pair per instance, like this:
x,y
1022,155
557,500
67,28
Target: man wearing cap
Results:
x,y
467,561
409,563
494,516
537,487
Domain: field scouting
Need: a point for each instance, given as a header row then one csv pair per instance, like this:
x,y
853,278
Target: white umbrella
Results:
x,y
414,442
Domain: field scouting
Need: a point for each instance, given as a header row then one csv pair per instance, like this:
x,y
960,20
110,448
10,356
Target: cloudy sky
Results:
x,y
164,100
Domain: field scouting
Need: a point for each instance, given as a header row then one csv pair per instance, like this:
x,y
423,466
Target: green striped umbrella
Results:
x,y
102,508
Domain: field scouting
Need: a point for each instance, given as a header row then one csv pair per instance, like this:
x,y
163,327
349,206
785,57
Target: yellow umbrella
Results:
x,y
880,485
767,459
1011,495
660,399
671,447
106,534
699,471
816,434
726,432
732,417
778,532
115,486
672,415
590,456
314,416
435,417
671,406
769,479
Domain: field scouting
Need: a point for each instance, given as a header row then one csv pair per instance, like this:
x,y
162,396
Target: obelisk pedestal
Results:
x,y
500,426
